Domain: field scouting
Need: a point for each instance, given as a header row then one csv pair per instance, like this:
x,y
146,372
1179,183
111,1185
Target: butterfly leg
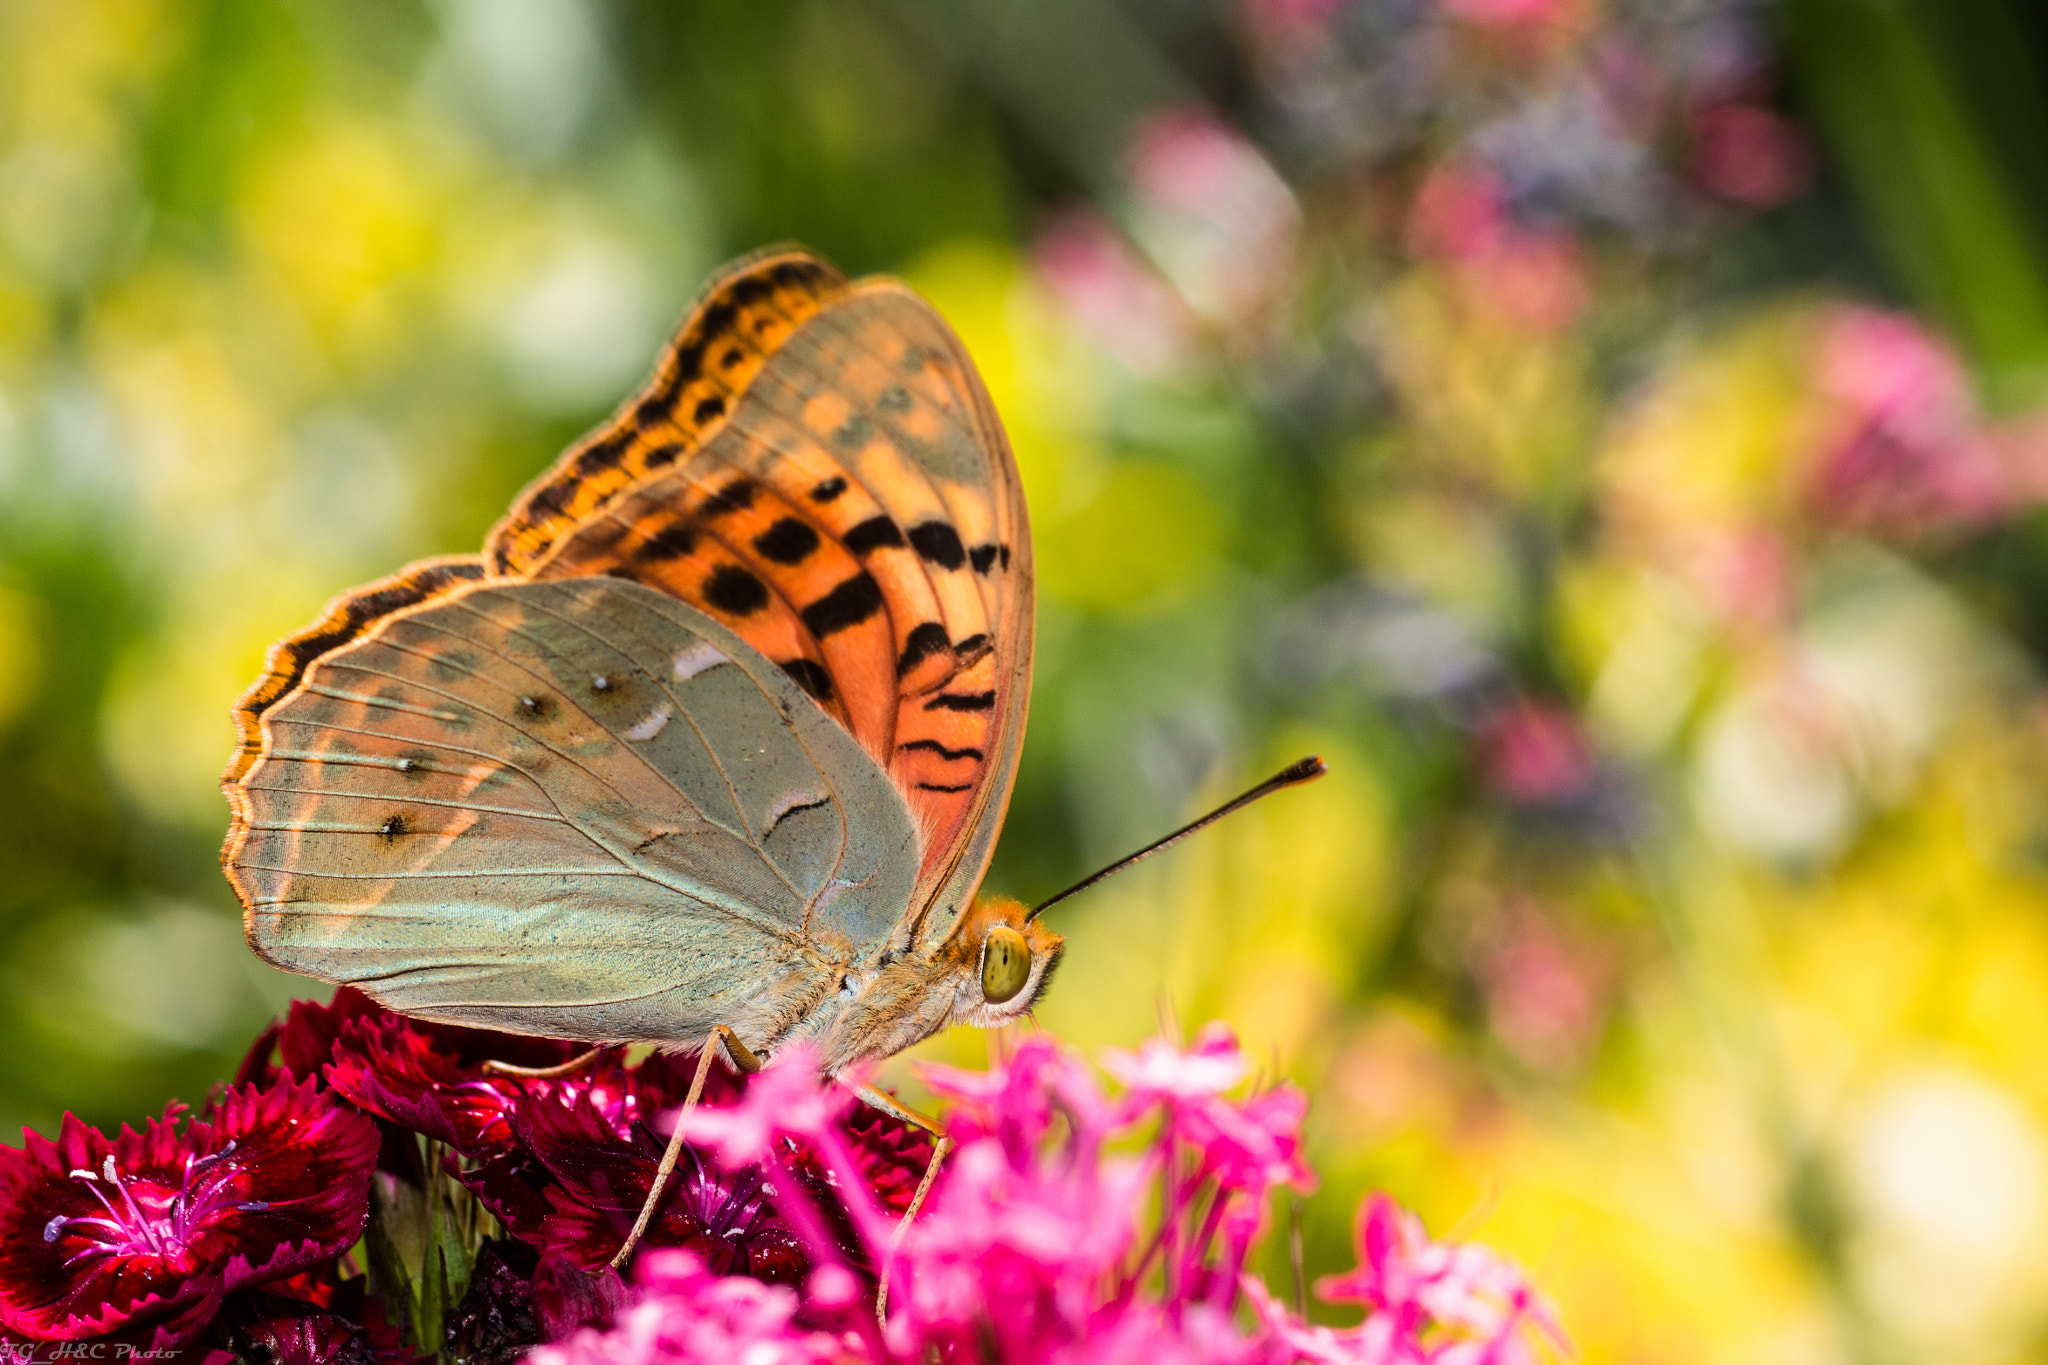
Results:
x,y
903,1113
574,1064
723,1041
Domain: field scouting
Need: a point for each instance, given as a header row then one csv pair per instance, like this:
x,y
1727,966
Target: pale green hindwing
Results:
x,y
578,808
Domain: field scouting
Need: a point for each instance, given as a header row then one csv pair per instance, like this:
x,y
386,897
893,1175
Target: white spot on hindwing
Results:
x,y
650,726
696,659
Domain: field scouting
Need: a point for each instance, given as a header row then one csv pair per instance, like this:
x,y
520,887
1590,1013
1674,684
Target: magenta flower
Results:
x,y
146,1232
1477,1297
687,1315
1053,1240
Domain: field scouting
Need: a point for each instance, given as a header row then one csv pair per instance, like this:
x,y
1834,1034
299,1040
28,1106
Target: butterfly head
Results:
x,y
1002,959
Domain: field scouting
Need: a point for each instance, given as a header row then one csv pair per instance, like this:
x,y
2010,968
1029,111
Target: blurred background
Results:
x,y
1614,434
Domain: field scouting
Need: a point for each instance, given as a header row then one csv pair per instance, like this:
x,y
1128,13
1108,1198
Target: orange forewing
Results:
x,y
816,465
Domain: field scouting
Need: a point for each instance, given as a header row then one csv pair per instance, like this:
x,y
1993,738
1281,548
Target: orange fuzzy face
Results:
x,y
1006,959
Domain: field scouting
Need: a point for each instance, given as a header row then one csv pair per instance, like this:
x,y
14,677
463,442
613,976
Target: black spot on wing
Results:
x,y
873,534
736,496
733,356
673,541
971,648
710,409
734,591
604,454
828,490
663,455
983,557
717,318
788,541
394,825
895,398
751,290
849,604
938,543
925,640
810,677
942,787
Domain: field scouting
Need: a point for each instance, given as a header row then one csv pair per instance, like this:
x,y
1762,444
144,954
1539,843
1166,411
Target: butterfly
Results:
x,y
715,735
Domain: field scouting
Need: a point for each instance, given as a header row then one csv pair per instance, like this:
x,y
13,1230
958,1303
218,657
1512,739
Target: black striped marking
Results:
x,y
925,640
962,701
939,543
736,496
932,746
673,541
734,591
941,787
849,604
876,533
788,541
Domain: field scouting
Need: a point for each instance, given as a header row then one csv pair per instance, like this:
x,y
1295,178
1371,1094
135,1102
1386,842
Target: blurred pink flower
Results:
x,y
1113,294
1160,1071
1749,155
1458,213
1535,280
1745,572
785,1099
1513,15
1535,753
1212,211
1905,451
1542,991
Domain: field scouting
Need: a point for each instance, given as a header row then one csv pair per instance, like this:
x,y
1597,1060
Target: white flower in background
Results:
x,y
1947,1173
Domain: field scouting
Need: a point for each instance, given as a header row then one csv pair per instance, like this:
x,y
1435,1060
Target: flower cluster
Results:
x,y
1072,1224
376,1189
372,1186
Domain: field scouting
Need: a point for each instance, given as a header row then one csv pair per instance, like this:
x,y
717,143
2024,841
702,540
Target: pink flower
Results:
x,y
1114,294
787,1099
1212,211
1906,451
1749,155
1161,1071
686,1315
1407,1281
1535,753
1535,280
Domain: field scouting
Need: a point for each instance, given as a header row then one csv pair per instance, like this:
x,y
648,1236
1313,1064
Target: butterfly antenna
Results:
x,y
1307,770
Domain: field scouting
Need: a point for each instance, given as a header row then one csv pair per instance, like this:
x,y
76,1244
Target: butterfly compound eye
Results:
x,y
1005,964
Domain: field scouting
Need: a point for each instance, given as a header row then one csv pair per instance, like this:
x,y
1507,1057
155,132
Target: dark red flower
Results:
x,y
893,1156
294,1332
303,1041
496,1321
601,1178
146,1232
431,1078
